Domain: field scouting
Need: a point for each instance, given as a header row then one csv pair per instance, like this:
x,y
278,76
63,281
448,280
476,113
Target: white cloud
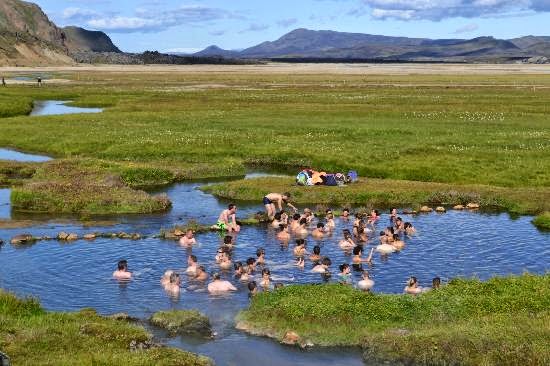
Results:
x,y
147,20
442,9
467,28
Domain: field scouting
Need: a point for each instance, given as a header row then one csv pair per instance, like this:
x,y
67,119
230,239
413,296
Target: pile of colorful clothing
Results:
x,y
310,177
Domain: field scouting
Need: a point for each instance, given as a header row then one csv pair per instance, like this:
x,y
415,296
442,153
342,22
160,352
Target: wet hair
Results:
x,y
395,236
328,210
398,219
122,264
326,261
266,271
238,265
287,194
347,235
330,216
436,282
231,206
408,225
250,261
252,285
382,233
216,276
296,217
174,277
391,209
227,239
366,274
343,267
390,228
357,250
303,221
317,250
282,227
320,225
201,268
277,216
345,210
260,251
412,280
193,258
376,212
300,242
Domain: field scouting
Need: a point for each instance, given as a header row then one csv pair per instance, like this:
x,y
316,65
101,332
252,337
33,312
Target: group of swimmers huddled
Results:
x,y
297,225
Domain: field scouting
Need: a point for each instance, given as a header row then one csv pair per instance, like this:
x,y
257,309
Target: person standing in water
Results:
x,y
272,199
227,220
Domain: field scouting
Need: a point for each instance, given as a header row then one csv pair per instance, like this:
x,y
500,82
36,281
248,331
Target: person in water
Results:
x,y
358,252
295,223
225,261
302,229
330,225
276,221
272,199
300,249
219,286
174,286
323,267
228,242
436,283
240,272
393,215
374,216
165,279
308,215
300,262
345,214
266,279
200,274
399,226
188,239
122,272
250,266
409,228
366,284
227,220
347,243
344,277
397,242
283,234
252,289
192,265
316,256
319,232
260,256
412,287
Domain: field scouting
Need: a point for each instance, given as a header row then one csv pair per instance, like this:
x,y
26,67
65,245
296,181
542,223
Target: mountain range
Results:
x,y
324,44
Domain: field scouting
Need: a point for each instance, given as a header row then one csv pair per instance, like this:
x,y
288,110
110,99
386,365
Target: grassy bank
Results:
x,y
378,193
542,221
32,336
504,321
86,186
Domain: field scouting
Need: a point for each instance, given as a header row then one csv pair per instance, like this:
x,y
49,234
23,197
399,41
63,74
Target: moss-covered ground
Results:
x,y
504,321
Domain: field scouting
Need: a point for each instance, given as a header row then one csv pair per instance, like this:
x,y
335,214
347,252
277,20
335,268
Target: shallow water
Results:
x,y
458,243
8,154
56,107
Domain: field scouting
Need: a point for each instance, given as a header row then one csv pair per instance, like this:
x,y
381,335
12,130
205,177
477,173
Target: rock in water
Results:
x,y
62,236
89,236
291,338
72,237
22,239
472,206
440,209
426,209
458,207
183,322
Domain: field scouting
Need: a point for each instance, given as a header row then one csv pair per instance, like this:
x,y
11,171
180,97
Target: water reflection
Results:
x,y
56,107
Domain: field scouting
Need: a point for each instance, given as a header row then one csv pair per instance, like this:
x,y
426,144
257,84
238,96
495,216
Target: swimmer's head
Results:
x,y
216,276
357,250
238,266
412,281
252,286
296,217
395,236
232,207
282,227
436,282
174,277
366,274
326,261
227,240
343,267
122,265
316,250
192,259
382,233
278,216
300,242
251,261
320,225
266,272
303,221
260,252
408,225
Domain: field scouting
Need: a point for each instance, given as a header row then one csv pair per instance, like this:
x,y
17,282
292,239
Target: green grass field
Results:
x,y
33,336
461,130
504,321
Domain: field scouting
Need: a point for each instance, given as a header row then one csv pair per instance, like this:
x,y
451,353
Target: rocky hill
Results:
x,y
28,37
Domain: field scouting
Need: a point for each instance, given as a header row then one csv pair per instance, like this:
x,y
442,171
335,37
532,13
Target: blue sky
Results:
x,y
187,26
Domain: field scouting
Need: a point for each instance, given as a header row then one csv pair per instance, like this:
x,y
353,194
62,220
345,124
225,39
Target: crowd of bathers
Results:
x,y
360,243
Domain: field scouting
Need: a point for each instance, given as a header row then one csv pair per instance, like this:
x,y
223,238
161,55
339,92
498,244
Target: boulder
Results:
x,y
178,232
72,237
458,207
425,209
472,206
136,236
123,235
22,239
122,316
440,209
89,236
62,236
291,338
170,235
183,322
